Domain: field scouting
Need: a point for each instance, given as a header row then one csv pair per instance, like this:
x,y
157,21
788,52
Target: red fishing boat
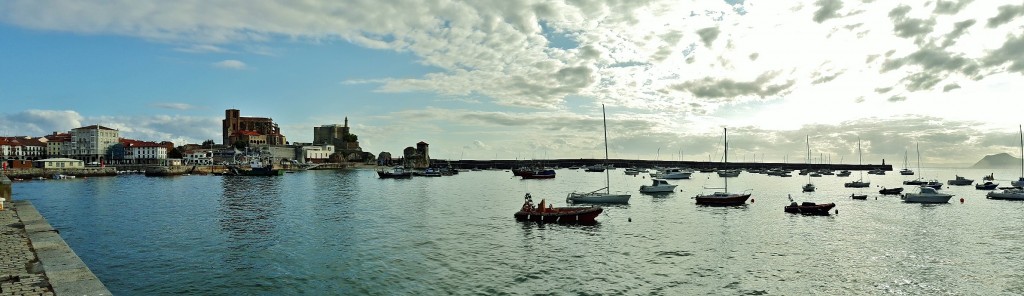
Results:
x,y
546,213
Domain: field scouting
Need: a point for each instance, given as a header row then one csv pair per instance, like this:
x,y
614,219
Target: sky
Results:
x,y
527,79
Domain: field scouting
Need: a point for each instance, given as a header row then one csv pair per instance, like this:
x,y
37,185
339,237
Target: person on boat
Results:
x,y
528,205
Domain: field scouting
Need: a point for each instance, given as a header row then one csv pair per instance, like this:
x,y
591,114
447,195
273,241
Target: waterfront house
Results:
x,y
91,143
60,163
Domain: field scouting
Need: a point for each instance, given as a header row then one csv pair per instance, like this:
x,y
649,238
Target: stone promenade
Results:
x,y
20,272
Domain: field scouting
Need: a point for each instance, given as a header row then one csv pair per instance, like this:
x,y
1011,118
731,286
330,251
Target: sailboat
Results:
x,y
597,196
905,171
723,198
860,161
809,187
1020,182
1016,193
921,181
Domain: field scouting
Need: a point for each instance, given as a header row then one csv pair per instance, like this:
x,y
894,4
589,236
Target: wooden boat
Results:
x,y
546,213
808,208
859,196
891,192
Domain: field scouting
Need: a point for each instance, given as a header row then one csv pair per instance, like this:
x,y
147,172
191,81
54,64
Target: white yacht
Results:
x,y
927,195
658,185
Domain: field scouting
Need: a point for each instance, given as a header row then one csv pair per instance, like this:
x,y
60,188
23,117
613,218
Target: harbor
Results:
x,y
350,232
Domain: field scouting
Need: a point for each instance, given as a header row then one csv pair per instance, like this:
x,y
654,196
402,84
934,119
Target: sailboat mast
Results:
x,y
1019,129
860,159
607,178
725,142
920,174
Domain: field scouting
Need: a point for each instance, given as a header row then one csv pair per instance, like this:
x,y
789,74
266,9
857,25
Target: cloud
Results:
x,y
1012,52
708,35
950,87
950,7
202,48
827,9
1006,14
708,87
897,98
230,64
39,122
174,106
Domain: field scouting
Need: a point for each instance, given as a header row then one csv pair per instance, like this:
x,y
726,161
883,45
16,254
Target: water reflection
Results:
x,y
248,209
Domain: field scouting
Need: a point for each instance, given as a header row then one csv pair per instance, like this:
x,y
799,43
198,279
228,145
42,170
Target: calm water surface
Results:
x,y
347,232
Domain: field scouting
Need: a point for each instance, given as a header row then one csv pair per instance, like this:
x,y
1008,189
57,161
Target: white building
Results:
x,y
198,157
91,143
315,153
60,163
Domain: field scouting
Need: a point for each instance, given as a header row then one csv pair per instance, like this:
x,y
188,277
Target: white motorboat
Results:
x,y
658,185
597,196
631,172
808,187
1008,194
729,173
675,174
926,195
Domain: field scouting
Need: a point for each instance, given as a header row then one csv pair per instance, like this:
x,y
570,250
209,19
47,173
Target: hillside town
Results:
x,y
100,146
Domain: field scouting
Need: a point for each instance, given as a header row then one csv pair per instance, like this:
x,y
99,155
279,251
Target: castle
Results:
x,y
252,130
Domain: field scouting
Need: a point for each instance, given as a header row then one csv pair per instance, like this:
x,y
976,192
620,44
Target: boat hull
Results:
x,y
570,215
390,175
856,184
929,198
598,198
810,209
1005,195
675,176
722,200
891,191
657,189
986,186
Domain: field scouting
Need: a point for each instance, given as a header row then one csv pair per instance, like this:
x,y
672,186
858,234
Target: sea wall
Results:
x,y
5,188
177,170
48,173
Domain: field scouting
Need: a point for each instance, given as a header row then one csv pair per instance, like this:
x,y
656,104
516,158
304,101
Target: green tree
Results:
x,y
208,143
240,145
351,138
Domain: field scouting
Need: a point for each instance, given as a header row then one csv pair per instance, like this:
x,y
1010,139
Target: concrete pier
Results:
x,y
35,260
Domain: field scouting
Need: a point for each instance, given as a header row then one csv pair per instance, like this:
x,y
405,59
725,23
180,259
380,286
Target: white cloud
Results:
x,y
202,48
174,106
230,64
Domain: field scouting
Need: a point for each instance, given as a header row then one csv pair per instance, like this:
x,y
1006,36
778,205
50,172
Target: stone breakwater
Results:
x,y
48,173
20,273
34,259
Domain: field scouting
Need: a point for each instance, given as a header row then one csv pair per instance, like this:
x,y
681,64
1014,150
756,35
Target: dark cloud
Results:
x,y
1006,14
909,27
1011,52
958,30
753,56
921,81
950,87
728,88
820,78
827,9
708,35
950,7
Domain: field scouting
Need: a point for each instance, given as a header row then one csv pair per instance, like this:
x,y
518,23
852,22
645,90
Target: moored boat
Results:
x,y
546,213
538,174
394,173
1007,194
986,186
926,195
597,196
808,208
674,174
859,196
960,181
723,198
891,191
658,186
